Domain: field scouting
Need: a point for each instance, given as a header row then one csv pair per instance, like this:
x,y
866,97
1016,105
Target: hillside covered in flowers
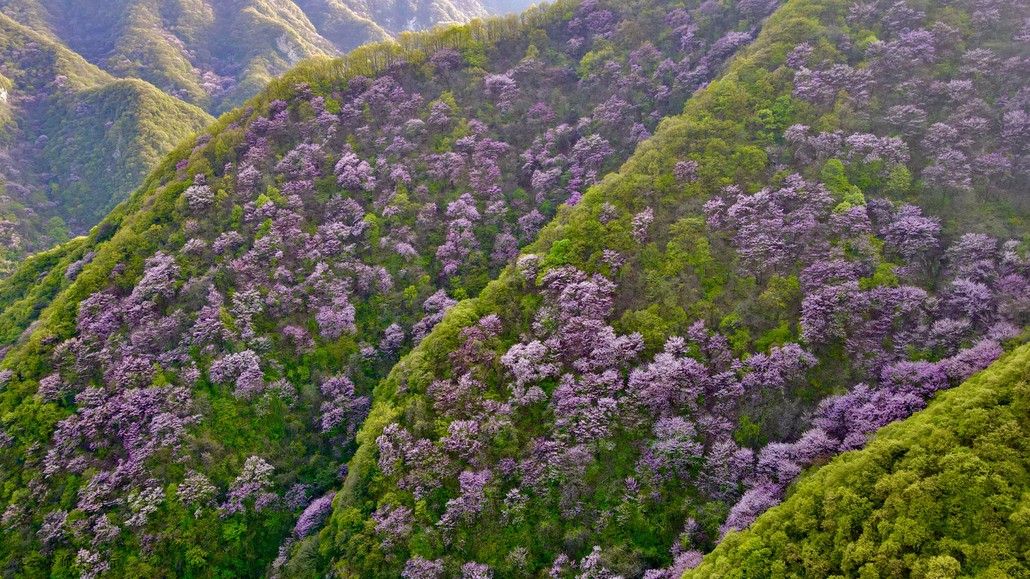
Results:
x,y
188,380
578,293
95,93
809,253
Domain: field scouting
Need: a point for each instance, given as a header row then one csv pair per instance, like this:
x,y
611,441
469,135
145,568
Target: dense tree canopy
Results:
x,y
747,297
563,294
198,381
942,494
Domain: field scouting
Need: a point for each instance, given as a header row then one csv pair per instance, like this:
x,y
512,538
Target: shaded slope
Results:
x,y
941,494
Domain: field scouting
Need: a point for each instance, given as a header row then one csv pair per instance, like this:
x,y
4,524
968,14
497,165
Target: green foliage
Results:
x,y
561,253
945,493
899,181
836,181
679,274
93,139
593,60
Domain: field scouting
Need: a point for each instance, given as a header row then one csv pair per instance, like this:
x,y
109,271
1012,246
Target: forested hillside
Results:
x,y
579,293
809,253
75,141
186,383
945,493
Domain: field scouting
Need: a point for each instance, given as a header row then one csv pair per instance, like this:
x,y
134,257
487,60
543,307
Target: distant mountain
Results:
x,y
98,90
217,53
74,140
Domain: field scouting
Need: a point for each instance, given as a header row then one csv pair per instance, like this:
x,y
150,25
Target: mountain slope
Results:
x,y
752,292
217,54
74,140
185,384
941,494
749,295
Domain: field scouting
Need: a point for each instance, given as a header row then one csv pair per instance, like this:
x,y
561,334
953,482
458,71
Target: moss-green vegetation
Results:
x,y
76,140
679,274
293,235
945,493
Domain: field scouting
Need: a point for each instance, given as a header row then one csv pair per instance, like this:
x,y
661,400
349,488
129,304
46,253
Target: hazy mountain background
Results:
x,y
216,54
